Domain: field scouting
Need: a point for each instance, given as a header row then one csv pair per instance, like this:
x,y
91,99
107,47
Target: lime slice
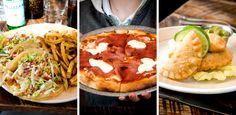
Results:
x,y
219,31
201,34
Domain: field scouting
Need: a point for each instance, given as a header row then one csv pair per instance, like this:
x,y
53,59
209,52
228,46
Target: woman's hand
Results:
x,y
135,98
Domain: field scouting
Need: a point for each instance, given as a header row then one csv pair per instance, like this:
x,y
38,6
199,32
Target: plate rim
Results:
x,y
47,101
191,90
115,94
112,28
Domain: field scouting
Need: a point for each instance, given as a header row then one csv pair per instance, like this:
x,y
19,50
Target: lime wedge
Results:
x,y
201,34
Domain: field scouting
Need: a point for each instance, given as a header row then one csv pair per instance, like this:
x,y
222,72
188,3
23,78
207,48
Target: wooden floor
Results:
x,y
168,107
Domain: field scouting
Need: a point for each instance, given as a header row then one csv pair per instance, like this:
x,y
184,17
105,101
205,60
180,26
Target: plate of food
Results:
x,y
197,60
115,61
39,63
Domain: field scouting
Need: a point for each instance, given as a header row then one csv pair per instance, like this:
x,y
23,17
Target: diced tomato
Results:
x,y
46,76
23,35
10,82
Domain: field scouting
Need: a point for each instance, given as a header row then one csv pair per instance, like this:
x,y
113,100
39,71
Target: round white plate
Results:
x,y
191,85
41,29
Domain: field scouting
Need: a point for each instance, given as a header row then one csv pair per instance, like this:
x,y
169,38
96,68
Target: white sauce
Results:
x,y
137,44
147,65
98,49
105,67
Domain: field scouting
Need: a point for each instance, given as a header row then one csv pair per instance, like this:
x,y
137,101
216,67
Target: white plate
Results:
x,y
190,85
41,29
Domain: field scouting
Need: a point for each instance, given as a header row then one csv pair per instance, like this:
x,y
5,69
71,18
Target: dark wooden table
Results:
x,y
10,103
224,10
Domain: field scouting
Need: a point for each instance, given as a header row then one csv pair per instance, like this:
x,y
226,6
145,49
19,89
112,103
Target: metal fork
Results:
x,y
183,20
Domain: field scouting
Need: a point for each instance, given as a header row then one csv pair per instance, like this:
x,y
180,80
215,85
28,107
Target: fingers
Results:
x,y
133,97
146,95
80,34
122,98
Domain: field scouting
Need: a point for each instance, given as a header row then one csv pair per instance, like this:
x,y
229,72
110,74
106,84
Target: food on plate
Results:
x,y
38,67
218,31
185,59
218,44
197,50
13,44
63,46
35,76
215,60
118,61
219,74
202,36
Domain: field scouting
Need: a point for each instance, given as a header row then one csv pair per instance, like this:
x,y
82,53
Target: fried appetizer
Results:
x,y
218,44
185,60
215,60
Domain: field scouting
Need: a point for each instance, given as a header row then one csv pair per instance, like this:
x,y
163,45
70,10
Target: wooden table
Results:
x,y
224,10
10,103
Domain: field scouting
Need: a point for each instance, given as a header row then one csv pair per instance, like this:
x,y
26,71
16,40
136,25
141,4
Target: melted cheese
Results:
x,y
147,65
137,44
114,77
105,67
98,49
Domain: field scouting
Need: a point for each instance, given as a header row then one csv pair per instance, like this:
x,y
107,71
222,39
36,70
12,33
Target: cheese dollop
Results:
x,y
98,49
137,44
105,67
147,65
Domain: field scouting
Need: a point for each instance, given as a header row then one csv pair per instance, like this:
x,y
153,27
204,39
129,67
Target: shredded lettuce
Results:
x,y
40,82
219,74
1,36
31,57
2,51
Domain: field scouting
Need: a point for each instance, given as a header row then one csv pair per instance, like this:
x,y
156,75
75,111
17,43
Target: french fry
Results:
x,y
41,41
75,59
63,46
74,71
70,57
50,37
75,66
57,52
65,82
63,53
70,69
70,45
63,65
56,71
73,80
53,47
63,73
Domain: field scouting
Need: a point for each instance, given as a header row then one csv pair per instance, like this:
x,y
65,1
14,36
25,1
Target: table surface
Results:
x,y
223,10
10,103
